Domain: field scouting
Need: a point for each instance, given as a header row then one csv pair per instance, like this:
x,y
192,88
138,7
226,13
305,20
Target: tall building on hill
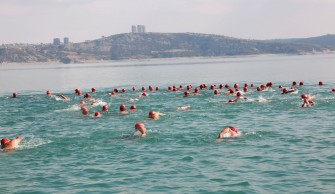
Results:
x,y
133,29
56,41
138,29
66,40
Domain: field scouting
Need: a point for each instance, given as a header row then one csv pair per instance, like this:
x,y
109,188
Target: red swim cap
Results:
x,y
186,93
239,94
170,88
216,92
134,88
320,83
96,114
235,85
174,89
4,141
333,89
151,113
252,85
245,89
139,125
212,87
301,83
124,90
151,88
85,111
294,83
116,90
303,96
76,91
157,88
48,93
231,91
233,128
226,86
280,86
93,89
105,108
221,86
123,107
143,88
188,87
87,95
259,89
284,90
14,94
133,107
245,85
82,102
144,94
230,100
180,86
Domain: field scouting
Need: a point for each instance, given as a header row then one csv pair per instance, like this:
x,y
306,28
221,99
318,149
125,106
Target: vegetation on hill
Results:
x,y
160,45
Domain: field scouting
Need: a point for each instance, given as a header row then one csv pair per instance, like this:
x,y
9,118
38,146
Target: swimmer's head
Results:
x,y
174,89
4,141
333,89
221,86
188,87
301,83
216,92
140,127
143,88
303,96
87,95
226,86
231,91
80,93
134,88
259,89
84,110
233,128
285,90
133,107
238,94
82,102
169,88
186,93
245,89
144,94
97,114
237,89
180,86
116,90
93,90
123,90
157,88
105,108
196,90
230,101
235,85
123,107
14,94
151,113
76,91
212,87
320,83
112,93
294,83
246,85
48,93
252,85
151,88
280,86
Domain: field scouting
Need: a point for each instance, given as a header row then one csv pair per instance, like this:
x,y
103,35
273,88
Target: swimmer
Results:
x,y
196,92
123,109
291,90
308,100
15,95
133,107
48,93
93,90
10,144
97,114
155,115
230,92
144,94
230,131
87,95
239,97
65,98
84,110
141,128
105,108
183,108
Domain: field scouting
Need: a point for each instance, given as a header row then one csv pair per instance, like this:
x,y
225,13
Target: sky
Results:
x,y
39,21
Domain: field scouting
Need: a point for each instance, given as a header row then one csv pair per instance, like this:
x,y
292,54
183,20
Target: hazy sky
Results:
x,y
39,21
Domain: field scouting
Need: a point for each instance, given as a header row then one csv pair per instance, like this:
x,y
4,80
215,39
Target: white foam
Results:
x,y
32,142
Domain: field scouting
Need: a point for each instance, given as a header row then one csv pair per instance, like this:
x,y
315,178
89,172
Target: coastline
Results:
x,y
160,59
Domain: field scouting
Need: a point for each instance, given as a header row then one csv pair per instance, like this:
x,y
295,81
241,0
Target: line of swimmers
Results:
x,y
140,129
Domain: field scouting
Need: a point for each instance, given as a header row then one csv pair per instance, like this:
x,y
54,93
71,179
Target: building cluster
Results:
x,y
138,29
57,41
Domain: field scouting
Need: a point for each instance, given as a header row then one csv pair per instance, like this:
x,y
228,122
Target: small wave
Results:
x,y
30,142
74,107
98,103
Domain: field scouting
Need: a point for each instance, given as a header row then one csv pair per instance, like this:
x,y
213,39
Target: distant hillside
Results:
x,y
326,40
160,45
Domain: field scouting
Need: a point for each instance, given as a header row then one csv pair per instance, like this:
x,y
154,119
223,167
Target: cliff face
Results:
x,y
156,45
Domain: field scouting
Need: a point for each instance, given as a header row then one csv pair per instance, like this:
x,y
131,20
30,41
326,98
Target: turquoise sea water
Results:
x,y
283,149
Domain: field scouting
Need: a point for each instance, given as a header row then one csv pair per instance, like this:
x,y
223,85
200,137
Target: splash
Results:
x,y
31,141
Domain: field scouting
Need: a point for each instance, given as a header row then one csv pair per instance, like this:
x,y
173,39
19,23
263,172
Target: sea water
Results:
x,y
283,148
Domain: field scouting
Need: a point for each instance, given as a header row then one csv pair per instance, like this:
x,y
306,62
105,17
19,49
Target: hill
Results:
x,y
159,45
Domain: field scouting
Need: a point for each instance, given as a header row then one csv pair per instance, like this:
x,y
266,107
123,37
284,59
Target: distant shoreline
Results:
x,y
158,59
